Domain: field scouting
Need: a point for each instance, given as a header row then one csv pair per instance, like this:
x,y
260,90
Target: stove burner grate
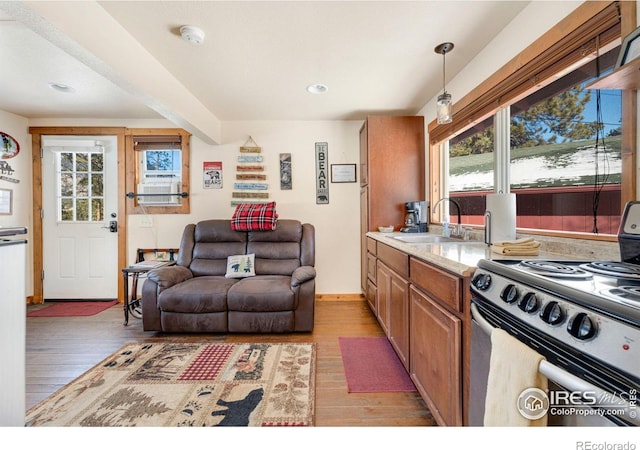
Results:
x,y
614,269
553,269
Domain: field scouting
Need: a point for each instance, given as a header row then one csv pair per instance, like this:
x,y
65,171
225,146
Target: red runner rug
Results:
x,y
71,309
371,365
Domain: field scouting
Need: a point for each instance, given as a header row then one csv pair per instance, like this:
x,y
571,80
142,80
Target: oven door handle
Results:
x,y
618,405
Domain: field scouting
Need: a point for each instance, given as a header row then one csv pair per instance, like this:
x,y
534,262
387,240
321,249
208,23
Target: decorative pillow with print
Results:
x,y
240,266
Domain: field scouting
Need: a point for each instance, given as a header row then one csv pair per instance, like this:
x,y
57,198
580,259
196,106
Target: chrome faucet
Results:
x,y
457,232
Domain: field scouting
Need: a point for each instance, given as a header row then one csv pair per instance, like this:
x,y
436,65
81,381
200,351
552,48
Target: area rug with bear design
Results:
x,y
189,384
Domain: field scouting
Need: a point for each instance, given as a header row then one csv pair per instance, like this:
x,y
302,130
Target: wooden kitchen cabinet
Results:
x,y
383,293
370,274
393,298
436,336
392,160
371,295
399,317
423,309
440,284
439,330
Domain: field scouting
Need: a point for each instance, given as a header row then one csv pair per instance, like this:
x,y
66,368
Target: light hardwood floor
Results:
x,y
61,348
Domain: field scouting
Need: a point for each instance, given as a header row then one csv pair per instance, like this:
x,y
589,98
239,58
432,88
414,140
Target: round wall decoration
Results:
x,y
9,147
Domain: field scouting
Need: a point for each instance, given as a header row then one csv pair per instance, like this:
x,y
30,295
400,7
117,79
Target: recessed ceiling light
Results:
x,y
317,88
191,34
61,87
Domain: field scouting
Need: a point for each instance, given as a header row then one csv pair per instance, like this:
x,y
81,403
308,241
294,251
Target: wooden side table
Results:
x,y
132,303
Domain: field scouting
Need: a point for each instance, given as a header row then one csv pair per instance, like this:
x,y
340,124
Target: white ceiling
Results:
x,y
126,59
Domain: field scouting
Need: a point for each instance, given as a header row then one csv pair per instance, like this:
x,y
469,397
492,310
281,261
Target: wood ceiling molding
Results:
x,y
565,44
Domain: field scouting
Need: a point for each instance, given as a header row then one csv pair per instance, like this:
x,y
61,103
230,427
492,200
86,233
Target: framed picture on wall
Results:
x,y
343,173
6,201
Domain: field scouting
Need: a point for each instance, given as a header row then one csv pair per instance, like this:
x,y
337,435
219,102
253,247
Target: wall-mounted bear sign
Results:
x,y
322,168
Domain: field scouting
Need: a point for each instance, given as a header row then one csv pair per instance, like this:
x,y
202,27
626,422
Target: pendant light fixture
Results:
x,y
444,110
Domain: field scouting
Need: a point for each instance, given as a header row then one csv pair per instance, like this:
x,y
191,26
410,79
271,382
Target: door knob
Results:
x,y
113,226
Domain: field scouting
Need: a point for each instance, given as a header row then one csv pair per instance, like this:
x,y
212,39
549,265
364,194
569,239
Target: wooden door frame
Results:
x,y
37,232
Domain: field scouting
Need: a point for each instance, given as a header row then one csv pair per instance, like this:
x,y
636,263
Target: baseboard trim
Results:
x,y
339,297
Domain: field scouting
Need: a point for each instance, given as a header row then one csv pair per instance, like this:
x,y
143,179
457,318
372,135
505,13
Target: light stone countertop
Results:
x,y
462,257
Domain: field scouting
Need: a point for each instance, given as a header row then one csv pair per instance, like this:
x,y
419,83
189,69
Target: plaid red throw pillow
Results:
x,y
254,217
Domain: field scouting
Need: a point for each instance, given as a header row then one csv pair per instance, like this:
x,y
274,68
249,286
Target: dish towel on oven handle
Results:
x,y
513,367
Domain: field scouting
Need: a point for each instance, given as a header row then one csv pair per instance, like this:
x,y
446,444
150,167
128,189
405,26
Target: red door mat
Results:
x,y
371,365
71,309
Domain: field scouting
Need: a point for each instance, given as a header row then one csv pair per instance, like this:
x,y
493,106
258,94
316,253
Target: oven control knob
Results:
x,y
529,303
552,313
482,281
581,327
509,294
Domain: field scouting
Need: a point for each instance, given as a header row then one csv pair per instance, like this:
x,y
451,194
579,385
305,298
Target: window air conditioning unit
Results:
x,y
156,194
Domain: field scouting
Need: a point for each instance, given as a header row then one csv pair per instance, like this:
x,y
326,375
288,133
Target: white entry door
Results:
x,y
79,190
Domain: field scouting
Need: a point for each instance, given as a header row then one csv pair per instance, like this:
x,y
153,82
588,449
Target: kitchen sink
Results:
x,y
431,239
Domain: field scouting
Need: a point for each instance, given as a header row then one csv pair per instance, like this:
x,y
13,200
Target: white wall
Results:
x,y
337,224
17,127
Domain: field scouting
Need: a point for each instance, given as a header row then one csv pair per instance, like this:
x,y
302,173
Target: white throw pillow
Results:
x,y
241,266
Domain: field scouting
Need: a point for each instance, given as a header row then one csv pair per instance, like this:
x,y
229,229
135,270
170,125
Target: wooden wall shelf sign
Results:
x,y
250,149
251,186
250,146
250,168
250,158
243,202
250,195
9,179
250,176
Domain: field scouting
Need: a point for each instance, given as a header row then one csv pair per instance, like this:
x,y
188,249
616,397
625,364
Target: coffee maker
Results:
x,y
416,217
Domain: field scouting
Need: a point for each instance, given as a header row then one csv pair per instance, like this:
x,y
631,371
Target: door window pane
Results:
x,y
97,162
82,162
80,186
97,209
66,161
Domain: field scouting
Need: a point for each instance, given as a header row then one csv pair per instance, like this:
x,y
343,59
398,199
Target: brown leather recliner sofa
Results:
x,y
194,296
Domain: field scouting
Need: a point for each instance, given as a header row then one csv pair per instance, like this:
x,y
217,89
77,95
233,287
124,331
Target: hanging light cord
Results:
x,y
444,63
600,150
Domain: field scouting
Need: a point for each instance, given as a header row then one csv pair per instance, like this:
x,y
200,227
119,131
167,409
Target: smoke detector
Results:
x,y
191,34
